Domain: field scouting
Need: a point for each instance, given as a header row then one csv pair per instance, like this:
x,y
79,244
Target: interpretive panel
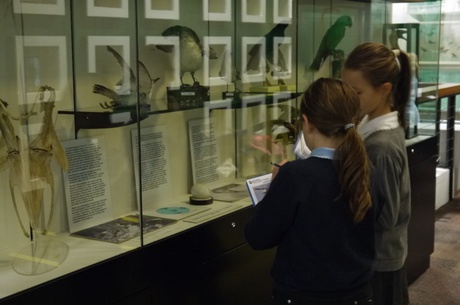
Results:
x,y
203,150
87,183
155,173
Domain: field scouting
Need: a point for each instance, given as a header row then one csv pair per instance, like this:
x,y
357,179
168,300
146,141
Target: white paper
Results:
x,y
87,183
258,187
203,150
155,173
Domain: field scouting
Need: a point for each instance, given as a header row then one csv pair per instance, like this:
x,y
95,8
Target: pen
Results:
x,y
274,164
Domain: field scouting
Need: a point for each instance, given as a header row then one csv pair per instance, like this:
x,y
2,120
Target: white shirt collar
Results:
x,y
384,122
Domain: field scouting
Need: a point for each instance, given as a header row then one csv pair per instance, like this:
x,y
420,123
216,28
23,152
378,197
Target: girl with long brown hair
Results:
x,y
382,79
318,211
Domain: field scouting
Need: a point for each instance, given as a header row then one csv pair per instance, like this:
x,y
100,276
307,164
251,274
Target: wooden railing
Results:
x,y
438,92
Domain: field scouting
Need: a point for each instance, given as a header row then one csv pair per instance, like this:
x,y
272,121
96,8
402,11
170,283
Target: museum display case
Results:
x,y
129,128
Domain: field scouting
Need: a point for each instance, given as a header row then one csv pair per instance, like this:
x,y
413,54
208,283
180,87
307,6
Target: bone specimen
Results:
x,y
9,144
30,169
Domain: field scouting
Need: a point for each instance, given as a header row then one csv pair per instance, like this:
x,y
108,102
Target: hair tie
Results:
x,y
348,126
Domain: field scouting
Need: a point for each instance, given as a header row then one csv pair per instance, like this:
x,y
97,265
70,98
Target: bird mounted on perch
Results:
x,y
255,53
330,41
191,51
125,93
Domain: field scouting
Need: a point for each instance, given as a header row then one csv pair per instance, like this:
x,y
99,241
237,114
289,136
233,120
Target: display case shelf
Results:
x,y
100,118
124,116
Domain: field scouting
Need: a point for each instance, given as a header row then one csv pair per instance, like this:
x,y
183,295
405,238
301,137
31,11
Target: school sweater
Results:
x,y
320,249
387,151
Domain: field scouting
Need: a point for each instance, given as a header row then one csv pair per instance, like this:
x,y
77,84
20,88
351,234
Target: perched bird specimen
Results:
x,y
331,39
255,52
337,62
283,132
394,36
232,76
190,50
125,93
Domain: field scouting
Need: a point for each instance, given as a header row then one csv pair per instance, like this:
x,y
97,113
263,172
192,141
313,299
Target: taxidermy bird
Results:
x,y
125,93
190,49
331,39
229,72
394,36
255,52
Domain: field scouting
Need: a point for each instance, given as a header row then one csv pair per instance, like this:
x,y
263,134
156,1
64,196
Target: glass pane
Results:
x,y
417,25
63,178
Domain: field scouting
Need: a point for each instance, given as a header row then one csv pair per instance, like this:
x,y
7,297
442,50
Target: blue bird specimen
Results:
x,y
255,52
190,49
331,39
125,93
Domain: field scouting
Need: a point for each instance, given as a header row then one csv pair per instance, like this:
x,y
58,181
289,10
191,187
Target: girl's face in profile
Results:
x,y
373,101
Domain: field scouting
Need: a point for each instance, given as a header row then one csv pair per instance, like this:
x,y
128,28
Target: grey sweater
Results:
x,y
387,151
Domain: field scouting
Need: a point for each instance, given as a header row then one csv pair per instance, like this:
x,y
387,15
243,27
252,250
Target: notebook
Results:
x,y
258,187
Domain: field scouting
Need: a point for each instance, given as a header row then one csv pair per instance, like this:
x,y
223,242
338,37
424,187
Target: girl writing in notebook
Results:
x,y
318,211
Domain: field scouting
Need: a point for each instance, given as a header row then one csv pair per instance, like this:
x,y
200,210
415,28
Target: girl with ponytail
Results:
x,y
318,211
382,78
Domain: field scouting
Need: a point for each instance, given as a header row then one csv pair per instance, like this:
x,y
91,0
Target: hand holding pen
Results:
x,y
276,168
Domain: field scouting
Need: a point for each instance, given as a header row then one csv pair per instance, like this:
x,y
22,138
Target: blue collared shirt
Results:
x,y
323,152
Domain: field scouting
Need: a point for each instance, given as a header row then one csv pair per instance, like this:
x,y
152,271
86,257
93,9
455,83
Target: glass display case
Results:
x,y
128,123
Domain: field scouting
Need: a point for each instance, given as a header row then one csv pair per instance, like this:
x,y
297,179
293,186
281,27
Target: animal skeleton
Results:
x,y
30,169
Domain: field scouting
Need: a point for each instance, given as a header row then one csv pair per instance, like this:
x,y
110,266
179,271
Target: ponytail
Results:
x,y
401,89
354,173
333,108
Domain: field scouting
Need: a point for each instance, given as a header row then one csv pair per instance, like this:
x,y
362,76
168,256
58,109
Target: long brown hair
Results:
x,y
381,65
333,108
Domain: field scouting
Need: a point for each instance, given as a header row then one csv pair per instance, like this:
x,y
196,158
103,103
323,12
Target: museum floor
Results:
x,y
439,285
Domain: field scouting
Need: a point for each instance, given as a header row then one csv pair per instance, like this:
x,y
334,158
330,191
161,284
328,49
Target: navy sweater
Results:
x,y
320,249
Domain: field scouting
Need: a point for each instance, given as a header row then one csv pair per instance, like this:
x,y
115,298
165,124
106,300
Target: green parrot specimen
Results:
x,y
330,41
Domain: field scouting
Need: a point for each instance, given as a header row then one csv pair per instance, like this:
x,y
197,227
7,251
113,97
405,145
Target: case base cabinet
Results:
x,y
240,276
422,167
209,264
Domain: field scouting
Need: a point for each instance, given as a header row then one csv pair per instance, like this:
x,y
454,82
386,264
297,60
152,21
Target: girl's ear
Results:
x,y
304,120
307,125
386,88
